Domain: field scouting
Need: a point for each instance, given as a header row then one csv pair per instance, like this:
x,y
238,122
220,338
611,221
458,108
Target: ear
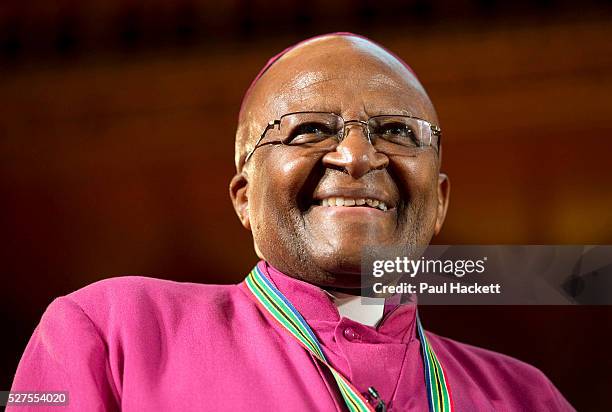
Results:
x,y
443,195
238,194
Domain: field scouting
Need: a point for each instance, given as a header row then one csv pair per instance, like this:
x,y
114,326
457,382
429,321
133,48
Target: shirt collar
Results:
x,y
365,310
316,304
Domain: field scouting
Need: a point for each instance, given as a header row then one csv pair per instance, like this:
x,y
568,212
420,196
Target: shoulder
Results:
x,y
473,356
144,291
136,301
503,377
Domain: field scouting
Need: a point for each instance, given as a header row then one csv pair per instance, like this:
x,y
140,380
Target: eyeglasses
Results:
x,y
389,134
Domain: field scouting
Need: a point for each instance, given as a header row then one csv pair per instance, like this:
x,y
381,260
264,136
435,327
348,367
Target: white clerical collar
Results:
x,y
367,311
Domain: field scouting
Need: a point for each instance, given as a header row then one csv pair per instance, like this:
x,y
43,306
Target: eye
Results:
x,y
396,129
397,132
309,132
312,128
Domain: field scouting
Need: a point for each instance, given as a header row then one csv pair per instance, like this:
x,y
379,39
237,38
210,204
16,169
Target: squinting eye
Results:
x,y
311,132
311,128
396,130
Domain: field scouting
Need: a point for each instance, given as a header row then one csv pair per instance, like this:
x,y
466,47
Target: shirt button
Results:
x,y
350,334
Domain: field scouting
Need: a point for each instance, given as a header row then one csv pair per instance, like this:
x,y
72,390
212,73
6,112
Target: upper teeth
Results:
x,y
345,201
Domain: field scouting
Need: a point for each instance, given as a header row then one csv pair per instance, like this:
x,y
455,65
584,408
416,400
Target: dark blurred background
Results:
x,y
117,122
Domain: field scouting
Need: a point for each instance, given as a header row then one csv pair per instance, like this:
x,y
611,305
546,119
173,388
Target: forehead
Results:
x,y
346,75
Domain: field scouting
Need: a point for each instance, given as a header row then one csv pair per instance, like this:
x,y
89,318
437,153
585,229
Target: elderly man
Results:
x,y
337,148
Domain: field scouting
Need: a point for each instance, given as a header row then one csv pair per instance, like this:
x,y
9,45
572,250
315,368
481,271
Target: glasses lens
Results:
x,y
401,131
309,128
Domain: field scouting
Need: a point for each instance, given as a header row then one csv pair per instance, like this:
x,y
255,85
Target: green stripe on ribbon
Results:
x,y
280,315
437,386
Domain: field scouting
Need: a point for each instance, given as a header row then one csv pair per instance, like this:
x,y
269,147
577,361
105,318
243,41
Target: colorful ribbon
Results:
x,y
280,309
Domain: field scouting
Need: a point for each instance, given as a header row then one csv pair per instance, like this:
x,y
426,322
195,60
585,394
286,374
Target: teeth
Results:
x,y
348,202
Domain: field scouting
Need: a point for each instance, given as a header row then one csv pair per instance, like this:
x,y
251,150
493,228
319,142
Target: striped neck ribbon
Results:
x,y
276,305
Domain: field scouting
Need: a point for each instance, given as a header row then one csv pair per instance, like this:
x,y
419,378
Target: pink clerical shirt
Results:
x,y
143,344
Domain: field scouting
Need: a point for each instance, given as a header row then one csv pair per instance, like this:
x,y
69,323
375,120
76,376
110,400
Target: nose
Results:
x,y
355,154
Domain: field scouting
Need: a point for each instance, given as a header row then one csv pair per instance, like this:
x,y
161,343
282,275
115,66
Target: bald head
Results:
x,y
297,78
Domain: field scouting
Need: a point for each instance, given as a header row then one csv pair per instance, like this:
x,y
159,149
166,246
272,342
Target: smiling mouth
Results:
x,y
353,202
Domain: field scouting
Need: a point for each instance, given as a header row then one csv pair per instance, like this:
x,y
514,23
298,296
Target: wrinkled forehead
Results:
x,y
320,72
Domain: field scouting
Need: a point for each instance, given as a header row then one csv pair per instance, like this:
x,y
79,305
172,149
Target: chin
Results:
x,y
341,276
345,262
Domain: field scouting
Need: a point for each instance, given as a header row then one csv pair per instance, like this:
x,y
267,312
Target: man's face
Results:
x,y
283,193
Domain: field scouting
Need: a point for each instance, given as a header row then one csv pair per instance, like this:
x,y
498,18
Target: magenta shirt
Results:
x,y
137,343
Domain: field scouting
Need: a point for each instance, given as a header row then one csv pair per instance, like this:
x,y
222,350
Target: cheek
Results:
x,y
291,168
276,184
417,181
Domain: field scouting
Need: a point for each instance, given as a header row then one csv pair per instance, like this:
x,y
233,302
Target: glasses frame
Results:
x,y
435,129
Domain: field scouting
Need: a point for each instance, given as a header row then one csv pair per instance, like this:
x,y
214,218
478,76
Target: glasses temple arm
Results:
x,y
269,126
